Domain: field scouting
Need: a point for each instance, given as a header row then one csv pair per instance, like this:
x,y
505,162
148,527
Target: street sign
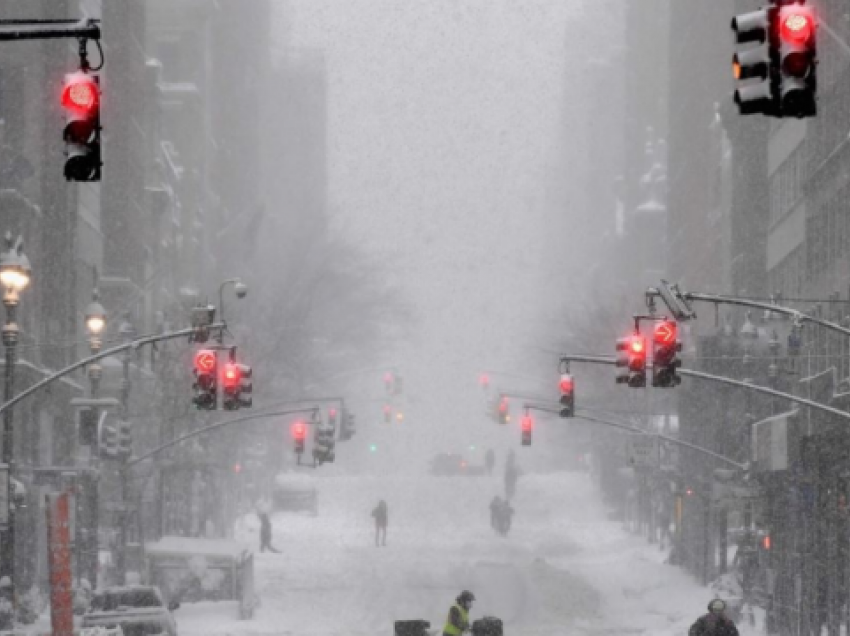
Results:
x,y
643,451
771,442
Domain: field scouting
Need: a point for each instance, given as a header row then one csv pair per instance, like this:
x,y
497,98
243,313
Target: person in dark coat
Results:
x,y
715,623
495,509
381,515
266,533
489,460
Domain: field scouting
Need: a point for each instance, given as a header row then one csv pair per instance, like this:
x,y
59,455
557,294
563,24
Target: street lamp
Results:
x,y
15,274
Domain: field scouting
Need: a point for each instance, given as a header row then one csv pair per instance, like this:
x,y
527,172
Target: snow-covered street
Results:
x,y
564,569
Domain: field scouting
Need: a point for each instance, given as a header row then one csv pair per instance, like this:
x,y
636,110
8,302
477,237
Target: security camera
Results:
x,y
241,290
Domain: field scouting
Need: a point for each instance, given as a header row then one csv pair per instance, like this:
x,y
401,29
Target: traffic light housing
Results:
x,y
299,436
206,380
231,382
237,386
504,410
527,429
246,385
631,354
324,445
87,427
797,60
388,414
107,437
755,66
567,401
398,385
665,359
81,101
389,382
124,438
332,417
779,74
349,427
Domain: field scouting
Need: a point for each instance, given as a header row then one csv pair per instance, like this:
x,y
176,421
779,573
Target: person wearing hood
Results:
x,y
715,623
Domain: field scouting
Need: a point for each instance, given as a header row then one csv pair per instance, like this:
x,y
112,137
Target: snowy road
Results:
x,y
565,569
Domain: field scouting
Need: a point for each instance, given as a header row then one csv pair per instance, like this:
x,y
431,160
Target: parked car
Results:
x,y
295,492
139,610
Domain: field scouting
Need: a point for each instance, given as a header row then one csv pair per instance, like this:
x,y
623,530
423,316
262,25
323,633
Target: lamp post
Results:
x,y
14,276
95,325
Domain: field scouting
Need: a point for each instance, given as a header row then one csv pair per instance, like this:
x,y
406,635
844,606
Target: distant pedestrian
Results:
x,y
381,515
490,460
266,533
495,508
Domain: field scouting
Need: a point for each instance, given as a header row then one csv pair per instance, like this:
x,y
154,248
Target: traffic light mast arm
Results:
x,y
729,381
134,344
11,30
212,427
755,304
665,438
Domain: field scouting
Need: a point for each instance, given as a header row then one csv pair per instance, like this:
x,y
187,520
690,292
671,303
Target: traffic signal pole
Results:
x,y
728,381
12,30
133,344
798,316
214,427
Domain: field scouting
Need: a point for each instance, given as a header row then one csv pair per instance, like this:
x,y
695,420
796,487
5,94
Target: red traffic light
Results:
x,y
665,332
566,384
299,430
237,468
503,405
232,376
637,344
387,409
484,380
80,93
797,26
331,412
527,423
766,542
205,361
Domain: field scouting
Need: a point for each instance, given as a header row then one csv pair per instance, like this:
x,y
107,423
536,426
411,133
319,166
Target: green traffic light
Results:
x,y
472,447
373,447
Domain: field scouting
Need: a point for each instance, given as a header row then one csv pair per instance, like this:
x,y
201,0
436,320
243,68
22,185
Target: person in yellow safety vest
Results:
x,y
458,621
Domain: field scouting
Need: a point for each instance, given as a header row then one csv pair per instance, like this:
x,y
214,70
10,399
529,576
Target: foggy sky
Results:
x,y
448,157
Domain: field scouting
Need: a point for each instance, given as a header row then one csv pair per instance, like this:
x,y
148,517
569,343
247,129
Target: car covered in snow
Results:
x,y
295,492
139,610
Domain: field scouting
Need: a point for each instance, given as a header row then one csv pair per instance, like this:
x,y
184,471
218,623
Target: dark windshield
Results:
x,y
109,601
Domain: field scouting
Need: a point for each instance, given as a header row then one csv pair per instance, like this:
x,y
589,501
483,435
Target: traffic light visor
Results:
x,y
751,27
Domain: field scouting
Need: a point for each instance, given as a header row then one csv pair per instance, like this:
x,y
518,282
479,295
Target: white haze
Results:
x,y
455,154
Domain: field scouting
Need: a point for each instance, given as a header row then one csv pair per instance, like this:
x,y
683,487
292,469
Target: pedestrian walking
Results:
x,y
495,508
715,623
381,516
266,533
489,461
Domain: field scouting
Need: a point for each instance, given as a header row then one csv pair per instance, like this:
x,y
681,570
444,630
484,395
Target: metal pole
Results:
x,y
690,373
135,344
121,559
21,31
7,546
90,545
212,427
